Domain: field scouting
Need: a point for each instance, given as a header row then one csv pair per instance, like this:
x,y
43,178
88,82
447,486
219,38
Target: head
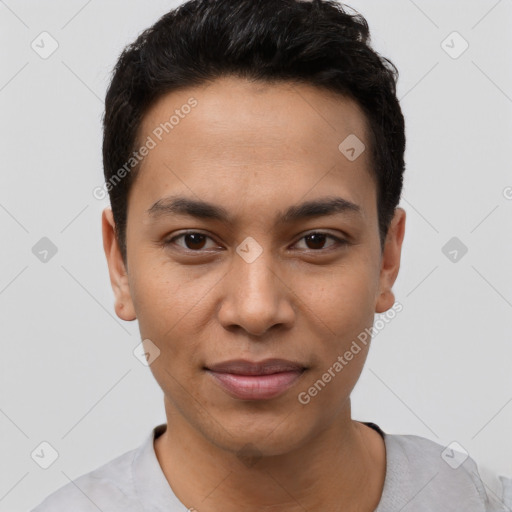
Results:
x,y
254,154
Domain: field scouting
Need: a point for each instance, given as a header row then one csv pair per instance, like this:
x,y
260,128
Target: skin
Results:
x,y
256,149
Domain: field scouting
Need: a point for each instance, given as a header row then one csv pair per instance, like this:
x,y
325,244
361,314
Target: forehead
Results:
x,y
233,132
255,112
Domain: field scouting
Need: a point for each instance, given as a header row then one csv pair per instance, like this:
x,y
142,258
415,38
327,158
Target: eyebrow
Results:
x,y
179,205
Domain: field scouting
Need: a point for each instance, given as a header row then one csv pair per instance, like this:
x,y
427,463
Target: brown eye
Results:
x,y
192,241
316,241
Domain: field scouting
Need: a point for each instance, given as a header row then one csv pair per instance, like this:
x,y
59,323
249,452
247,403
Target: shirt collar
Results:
x,y
156,495
151,486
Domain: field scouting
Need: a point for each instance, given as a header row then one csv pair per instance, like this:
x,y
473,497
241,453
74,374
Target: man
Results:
x,y
253,153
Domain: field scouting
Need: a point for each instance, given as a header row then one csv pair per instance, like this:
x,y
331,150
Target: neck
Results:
x,y
342,464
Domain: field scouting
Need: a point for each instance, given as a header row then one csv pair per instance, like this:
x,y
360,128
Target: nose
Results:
x,y
256,297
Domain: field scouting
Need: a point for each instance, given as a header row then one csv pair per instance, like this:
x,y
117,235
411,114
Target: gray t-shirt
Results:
x,y
421,476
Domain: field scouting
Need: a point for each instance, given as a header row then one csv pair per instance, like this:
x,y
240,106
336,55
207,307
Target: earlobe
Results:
x,y
118,276
385,301
123,312
390,261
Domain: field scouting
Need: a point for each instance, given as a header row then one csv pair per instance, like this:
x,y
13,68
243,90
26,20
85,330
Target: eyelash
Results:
x,y
340,242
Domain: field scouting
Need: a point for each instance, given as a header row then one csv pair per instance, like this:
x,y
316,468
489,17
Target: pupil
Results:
x,y
317,238
194,238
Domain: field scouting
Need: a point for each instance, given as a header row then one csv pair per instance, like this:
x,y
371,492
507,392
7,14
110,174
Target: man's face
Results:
x,y
256,285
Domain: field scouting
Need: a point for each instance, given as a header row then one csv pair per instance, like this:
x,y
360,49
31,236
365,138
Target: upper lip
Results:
x,y
265,367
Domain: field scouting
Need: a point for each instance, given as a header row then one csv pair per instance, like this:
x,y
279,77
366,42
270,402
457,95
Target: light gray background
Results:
x,y
441,369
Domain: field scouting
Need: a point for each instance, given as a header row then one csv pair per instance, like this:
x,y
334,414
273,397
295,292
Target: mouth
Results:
x,y
248,380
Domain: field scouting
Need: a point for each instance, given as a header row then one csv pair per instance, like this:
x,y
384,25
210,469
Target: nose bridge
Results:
x,y
255,299
254,271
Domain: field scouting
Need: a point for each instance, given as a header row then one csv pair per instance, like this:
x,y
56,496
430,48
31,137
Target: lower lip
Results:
x,y
256,387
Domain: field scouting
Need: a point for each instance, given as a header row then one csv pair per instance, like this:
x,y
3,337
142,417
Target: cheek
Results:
x,y
164,305
341,308
174,309
168,312
342,299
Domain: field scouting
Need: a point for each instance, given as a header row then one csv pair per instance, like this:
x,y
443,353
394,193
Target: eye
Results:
x,y
192,241
317,240
195,241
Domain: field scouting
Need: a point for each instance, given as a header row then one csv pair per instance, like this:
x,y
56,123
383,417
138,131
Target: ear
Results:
x,y
116,268
390,261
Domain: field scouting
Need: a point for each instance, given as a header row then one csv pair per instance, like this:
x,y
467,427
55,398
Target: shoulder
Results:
x,y
109,484
426,473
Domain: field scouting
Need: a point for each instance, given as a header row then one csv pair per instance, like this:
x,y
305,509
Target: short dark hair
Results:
x,y
313,42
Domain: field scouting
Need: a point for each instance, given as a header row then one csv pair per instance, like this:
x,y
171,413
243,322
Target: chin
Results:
x,y
260,437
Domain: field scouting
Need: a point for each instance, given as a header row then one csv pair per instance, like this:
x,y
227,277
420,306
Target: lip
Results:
x,y
265,367
250,380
